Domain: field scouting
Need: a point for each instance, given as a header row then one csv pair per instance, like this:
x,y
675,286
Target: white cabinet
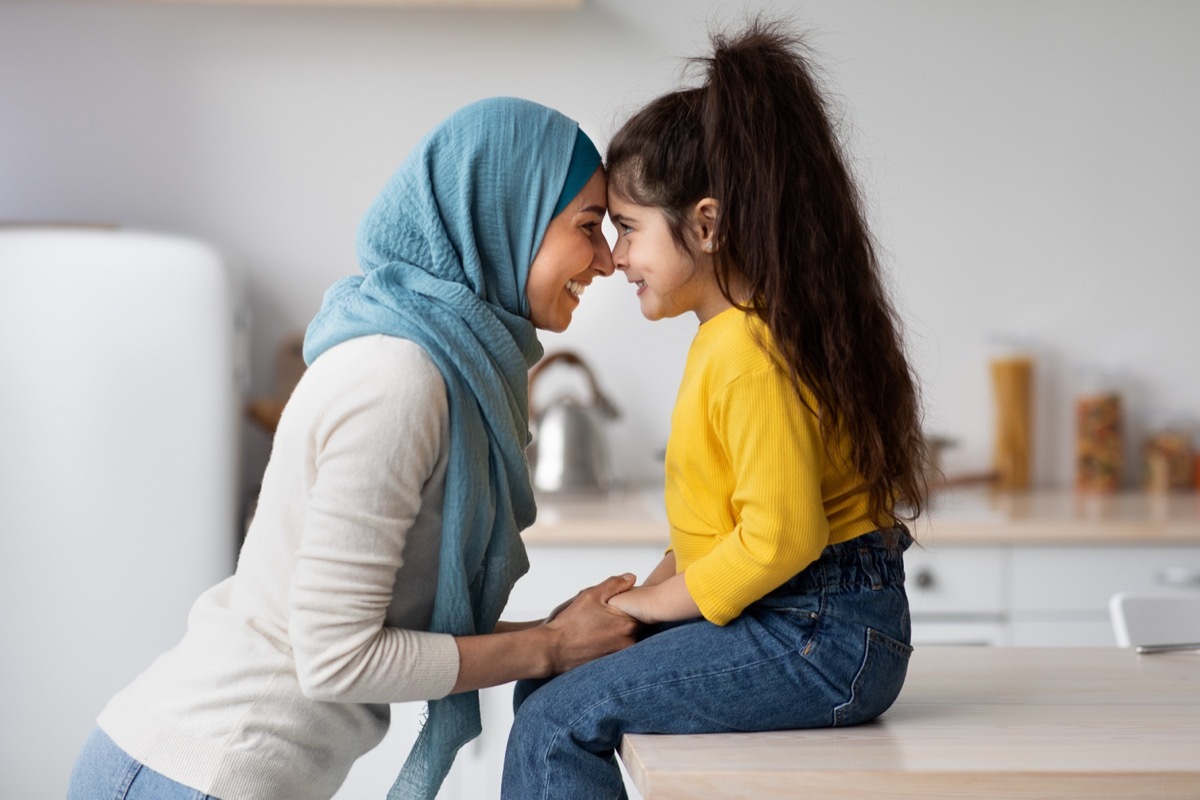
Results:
x,y
1060,594
557,572
1032,595
957,595
1083,578
956,582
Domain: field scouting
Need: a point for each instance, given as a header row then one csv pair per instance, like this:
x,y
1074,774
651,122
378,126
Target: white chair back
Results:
x,y
1155,617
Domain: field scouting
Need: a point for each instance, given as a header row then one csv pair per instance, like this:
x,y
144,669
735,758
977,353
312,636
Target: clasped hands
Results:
x,y
605,618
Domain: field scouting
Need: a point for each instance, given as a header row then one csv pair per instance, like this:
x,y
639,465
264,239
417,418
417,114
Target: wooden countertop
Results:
x,y
970,723
956,516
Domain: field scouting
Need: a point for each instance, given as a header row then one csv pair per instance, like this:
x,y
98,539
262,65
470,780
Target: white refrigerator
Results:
x,y
121,373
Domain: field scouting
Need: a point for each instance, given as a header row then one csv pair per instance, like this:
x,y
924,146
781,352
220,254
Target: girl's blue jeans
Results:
x,y
103,771
828,648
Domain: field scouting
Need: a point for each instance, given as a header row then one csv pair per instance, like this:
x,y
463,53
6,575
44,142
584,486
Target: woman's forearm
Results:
x,y
508,627
496,658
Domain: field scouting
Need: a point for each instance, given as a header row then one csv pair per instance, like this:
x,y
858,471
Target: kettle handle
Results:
x,y
599,400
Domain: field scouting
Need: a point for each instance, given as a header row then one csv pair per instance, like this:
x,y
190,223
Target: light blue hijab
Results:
x,y
445,252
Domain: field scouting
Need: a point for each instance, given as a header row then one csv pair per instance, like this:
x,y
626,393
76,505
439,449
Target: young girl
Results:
x,y
794,437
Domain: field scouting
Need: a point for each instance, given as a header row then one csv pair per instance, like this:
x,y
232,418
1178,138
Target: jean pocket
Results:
x,y
878,681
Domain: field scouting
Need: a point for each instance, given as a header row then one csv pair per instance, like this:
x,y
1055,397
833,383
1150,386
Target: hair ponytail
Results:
x,y
793,244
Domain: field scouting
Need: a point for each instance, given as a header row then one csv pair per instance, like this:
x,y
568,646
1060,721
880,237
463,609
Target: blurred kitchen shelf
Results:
x,y
971,516
982,516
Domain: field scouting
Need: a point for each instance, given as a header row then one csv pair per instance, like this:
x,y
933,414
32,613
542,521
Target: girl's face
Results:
x,y
670,281
573,252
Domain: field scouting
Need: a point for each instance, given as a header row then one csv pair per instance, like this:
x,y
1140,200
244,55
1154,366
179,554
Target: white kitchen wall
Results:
x,y
1031,166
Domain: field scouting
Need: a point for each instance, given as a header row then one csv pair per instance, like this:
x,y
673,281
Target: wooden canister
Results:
x,y
1012,385
1098,450
1168,461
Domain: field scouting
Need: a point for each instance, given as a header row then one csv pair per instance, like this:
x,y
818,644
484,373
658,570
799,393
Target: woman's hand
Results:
x,y
558,609
639,602
585,629
589,626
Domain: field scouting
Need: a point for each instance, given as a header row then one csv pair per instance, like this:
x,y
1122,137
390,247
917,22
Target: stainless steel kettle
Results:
x,y
569,452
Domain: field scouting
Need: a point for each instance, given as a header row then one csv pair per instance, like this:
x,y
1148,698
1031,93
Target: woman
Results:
x,y
386,537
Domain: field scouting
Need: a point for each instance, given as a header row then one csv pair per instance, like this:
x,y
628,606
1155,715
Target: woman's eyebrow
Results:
x,y
601,210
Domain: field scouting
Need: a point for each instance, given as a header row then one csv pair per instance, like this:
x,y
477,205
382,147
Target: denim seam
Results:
x,y
131,773
868,656
875,640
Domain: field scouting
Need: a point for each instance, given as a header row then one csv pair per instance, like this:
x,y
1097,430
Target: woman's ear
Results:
x,y
704,223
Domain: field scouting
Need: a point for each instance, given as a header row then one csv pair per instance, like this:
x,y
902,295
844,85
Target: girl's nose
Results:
x,y
618,257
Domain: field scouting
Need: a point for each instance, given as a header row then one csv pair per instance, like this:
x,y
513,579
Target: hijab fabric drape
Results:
x,y
445,252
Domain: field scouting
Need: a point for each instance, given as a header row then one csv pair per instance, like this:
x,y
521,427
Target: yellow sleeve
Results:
x,y
774,447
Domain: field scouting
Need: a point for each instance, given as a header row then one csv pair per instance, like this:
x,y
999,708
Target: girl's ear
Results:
x,y
704,223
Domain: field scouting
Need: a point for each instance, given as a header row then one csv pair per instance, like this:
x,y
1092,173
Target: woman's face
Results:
x,y
573,253
669,280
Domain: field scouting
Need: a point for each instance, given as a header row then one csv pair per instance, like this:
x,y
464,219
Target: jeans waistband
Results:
x,y
870,561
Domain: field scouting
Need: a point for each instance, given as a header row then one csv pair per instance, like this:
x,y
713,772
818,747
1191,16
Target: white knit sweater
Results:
x,y
284,675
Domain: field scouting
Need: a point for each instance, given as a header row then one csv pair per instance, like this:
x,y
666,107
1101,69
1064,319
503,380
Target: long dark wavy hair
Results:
x,y
792,239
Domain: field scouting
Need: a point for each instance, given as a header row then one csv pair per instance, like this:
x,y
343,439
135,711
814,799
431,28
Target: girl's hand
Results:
x,y
631,603
666,601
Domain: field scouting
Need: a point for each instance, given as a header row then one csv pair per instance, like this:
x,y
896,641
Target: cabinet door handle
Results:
x,y
1179,576
924,579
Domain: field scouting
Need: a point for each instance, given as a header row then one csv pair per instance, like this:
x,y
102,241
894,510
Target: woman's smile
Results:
x,y
573,251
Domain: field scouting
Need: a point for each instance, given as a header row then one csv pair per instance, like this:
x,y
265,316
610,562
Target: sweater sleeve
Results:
x,y
773,445
377,441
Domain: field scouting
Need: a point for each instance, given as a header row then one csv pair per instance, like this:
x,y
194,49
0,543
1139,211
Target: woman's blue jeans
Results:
x,y
103,771
828,648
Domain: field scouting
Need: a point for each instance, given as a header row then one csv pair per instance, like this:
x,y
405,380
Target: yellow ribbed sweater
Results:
x,y
752,493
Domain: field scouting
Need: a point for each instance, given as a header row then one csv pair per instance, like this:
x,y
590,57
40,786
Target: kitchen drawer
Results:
x,y
558,572
1077,578
955,581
